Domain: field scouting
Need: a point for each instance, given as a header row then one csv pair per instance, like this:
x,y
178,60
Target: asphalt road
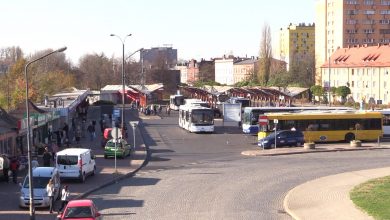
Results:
x,y
204,176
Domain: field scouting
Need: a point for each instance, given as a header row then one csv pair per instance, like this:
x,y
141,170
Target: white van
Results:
x,y
75,163
40,177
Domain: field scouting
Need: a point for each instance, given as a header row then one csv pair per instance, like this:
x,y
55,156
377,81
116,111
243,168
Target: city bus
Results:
x,y
196,118
327,126
175,101
386,122
250,115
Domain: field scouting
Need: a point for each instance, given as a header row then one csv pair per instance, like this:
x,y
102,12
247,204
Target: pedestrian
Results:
x,y
169,110
64,198
90,130
34,162
14,166
50,194
46,157
6,167
66,130
78,134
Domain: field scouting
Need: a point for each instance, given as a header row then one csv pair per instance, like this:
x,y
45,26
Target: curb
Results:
x,y
255,153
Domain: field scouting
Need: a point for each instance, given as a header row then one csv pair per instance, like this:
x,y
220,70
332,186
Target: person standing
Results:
x,y
78,134
64,197
6,167
50,194
14,166
34,162
46,158
90,130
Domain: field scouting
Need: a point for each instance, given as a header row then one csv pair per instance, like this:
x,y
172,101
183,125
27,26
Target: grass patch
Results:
x,y
373,197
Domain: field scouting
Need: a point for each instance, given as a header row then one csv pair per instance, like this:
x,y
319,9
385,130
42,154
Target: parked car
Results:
x,y
283,138
76,163
80,209
120,147
40,178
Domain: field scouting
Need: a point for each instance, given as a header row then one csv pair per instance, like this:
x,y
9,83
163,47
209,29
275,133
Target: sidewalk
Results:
x,y
327,197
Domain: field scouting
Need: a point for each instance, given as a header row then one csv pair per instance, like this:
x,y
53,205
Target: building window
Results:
x,y
384,31
351,2
352,12
352,83
386,21
368,31
368,2
385,2
368,21
351,21
369,12
385,12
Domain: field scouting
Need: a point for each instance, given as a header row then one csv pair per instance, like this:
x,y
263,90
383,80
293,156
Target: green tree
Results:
x,y
317,90
343,92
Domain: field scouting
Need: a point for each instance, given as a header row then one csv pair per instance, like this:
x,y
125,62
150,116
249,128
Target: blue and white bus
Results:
x,y
196,118
250,116
175,101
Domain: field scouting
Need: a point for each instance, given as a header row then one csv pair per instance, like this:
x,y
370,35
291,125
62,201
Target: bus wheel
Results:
x,y
349,137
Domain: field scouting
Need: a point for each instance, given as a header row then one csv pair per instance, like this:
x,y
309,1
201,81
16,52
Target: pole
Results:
x,y
30,180
329,83
123,86
116,140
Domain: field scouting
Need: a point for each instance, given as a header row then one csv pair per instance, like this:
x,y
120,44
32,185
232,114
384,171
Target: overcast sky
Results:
x,y
197,29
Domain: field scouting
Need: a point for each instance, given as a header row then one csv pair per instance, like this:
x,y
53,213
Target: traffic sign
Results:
x,y
276,121
116,112
116,133
263,120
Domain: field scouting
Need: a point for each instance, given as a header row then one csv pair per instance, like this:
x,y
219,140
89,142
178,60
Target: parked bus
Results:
x,y
250,116
196,118
175,101
325,126
196,102
386,122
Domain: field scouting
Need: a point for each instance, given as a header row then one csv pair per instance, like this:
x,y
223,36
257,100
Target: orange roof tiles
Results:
x,y
373,56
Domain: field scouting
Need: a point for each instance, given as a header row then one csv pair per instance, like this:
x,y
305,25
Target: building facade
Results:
x,y
245,70
343,23
297,42
159,57
182,67
364,69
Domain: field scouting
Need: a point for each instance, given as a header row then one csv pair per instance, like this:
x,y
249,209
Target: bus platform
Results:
x,y
319,147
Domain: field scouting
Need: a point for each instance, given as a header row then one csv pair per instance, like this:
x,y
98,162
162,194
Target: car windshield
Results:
x,y
78,212
112,144
38,182
66,160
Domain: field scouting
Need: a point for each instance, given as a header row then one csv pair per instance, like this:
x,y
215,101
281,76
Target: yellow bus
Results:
x,y
328,126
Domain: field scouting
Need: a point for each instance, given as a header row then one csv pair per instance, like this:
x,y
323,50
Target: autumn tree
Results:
x,y
265,55
96,71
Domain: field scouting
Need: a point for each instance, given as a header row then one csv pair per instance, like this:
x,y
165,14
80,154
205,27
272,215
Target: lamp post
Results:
x,y
123,77
30,182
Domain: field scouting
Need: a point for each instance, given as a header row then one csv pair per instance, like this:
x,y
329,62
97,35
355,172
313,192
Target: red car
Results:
x,y
83,209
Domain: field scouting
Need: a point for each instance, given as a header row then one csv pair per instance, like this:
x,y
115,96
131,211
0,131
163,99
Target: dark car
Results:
x,y
283,138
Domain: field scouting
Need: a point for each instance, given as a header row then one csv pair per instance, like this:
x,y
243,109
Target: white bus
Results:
x,y
196,102
196,118
175,101
386,122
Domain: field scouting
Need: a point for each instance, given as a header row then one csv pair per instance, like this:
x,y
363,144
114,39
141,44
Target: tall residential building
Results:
x,y
297,43
345,23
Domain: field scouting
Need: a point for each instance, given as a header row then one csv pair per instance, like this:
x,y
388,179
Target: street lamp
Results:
x,y
123,77
30,182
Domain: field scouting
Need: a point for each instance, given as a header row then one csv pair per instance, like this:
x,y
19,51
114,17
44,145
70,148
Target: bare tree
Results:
x,y
96,71
265,55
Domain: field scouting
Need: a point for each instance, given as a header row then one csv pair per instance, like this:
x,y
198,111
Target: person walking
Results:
x,y
46,158
50,194
90,130
6,167
14,166
64,197
78,134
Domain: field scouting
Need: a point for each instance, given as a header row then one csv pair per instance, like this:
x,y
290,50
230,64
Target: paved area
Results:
x,y
327,197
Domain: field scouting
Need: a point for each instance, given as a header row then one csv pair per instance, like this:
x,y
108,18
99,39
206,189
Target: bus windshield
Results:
x,y
202,116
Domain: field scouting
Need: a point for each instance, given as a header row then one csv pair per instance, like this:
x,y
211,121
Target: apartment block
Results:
x,y
343,23
364,69
297,42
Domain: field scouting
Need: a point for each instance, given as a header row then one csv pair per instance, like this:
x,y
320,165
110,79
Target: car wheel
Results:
x,y
105,156
272,146
298,144
349,137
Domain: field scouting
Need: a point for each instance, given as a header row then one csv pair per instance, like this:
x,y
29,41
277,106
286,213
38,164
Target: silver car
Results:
x,y
41,176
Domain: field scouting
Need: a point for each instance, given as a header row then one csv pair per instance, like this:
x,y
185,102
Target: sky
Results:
x,y
197,29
